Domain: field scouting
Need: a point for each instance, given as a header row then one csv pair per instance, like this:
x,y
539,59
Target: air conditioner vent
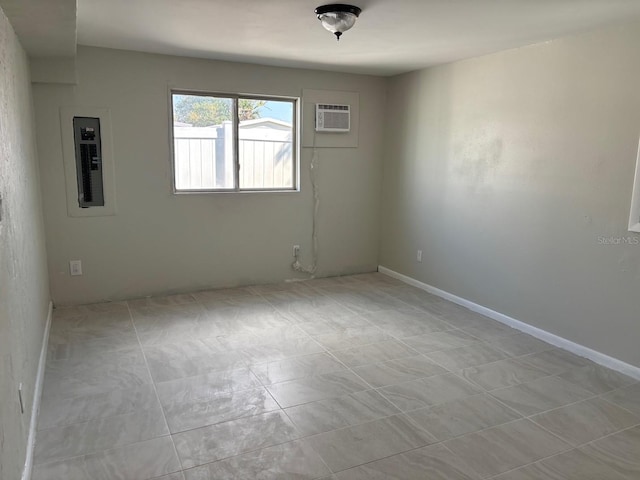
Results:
x,y
333,118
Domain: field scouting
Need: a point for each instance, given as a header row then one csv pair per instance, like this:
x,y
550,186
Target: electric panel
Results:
x,y
88,149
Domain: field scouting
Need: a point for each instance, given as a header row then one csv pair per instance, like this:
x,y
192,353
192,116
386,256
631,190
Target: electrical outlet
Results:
x,y
419,256
296,251
75,267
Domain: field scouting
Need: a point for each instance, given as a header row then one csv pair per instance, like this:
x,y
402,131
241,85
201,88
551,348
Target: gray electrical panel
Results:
x,y
86,132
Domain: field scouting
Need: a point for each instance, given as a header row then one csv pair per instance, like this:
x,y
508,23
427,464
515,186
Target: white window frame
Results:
x,y
634,215
235,97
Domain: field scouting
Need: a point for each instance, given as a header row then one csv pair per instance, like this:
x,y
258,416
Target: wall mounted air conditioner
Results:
x,y
333,118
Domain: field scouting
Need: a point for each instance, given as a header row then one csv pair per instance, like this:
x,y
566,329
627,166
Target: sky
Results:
x,y
278,110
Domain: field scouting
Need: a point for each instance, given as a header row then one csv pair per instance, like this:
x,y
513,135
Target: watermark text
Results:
x,y
624,240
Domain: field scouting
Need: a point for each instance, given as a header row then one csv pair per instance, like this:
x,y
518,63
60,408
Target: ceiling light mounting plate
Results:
x,y
338,17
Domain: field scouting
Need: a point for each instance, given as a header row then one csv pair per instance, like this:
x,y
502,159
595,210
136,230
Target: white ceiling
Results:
x,y
46,28
391,36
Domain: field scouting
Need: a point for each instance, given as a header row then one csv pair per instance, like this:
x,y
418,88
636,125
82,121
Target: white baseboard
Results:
x,y
37,394
576,348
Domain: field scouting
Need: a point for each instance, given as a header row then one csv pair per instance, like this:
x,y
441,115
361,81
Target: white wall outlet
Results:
x,y
75,267
419,256
296,251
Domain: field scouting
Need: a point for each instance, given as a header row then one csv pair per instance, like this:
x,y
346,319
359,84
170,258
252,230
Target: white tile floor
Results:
x,y
357,377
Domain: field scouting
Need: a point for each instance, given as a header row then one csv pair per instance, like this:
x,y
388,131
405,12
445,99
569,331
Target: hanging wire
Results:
x,y
313,175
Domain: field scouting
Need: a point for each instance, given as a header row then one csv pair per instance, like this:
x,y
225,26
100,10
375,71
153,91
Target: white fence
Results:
x,y
204,155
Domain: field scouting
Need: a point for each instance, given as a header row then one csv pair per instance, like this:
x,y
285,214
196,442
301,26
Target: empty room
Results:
x,y
297,240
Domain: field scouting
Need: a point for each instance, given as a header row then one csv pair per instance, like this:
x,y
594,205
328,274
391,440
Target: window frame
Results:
x,y
235,97
634,213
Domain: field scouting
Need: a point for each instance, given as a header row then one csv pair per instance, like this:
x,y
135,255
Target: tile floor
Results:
x,y
358,377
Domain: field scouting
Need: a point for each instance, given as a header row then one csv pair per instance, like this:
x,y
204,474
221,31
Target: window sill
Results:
x,y
227,192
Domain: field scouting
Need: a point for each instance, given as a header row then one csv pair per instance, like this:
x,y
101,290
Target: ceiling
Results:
x,y
46,28
390,37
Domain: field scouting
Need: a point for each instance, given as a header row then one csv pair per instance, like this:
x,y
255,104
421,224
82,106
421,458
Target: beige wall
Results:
x,y
509,170
24,296
159,242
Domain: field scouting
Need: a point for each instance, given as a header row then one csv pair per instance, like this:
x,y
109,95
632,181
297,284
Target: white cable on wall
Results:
x,y
313,174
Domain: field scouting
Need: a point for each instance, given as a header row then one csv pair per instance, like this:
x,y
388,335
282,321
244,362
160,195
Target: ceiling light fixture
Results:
x,y
337,17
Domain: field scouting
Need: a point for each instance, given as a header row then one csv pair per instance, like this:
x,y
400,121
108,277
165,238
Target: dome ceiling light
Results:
x,y
338,17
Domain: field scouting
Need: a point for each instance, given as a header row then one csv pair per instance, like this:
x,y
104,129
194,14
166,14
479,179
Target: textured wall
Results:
x,y
24,295
159,242
512,172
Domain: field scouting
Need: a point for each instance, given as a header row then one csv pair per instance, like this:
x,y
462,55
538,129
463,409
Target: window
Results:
x,y
634,216
233,143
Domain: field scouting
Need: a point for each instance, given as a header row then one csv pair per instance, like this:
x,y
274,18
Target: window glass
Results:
x,y
231,143
266,145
